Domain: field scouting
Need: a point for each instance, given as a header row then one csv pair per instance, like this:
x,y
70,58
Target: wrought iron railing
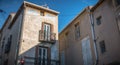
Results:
x,y
47,62
32,60
44,36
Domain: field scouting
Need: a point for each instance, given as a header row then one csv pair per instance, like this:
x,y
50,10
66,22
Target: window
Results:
x,y
0,36
3,43
117,2
8,45
42,13
67,40
77,30
47,31
102,46
67,37
43,54
98,20
66,34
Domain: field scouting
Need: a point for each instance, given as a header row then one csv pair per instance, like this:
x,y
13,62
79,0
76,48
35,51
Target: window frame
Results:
x,y
42,13
8,45
102,46
77,30
67,39
51,33
99,20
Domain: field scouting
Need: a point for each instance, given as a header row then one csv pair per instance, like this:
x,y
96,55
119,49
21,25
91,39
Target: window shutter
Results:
x,y
42,26
51,28
41,35
36,55
49,55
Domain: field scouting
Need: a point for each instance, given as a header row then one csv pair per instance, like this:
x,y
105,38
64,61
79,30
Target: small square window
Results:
x,y
102,46
66,33
98,20
42,13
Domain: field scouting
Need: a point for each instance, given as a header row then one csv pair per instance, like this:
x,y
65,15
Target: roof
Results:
x,y
40,7
6,22
92,8
25,3
73,20
96,5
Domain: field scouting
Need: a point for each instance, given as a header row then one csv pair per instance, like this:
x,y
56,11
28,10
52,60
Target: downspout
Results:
x,y
93,36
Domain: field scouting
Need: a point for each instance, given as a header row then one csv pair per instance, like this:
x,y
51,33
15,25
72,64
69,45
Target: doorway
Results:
x,y
44,56
86,51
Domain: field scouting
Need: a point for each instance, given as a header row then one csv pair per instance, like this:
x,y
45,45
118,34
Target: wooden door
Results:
x,y
86,51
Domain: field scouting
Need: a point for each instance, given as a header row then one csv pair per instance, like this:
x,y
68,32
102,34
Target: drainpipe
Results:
x,y
93,35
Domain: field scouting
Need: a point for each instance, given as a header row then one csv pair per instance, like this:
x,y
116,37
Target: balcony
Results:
x,y
47,37
37,61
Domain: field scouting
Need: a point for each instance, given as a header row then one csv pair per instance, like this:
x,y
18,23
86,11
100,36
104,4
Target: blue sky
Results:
x,y
68,8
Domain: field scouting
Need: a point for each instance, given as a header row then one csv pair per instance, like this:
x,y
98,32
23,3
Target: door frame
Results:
x,y
48,54
47,30
86,39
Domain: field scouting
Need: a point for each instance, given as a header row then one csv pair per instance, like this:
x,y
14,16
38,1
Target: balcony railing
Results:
x,y
36,61
47,37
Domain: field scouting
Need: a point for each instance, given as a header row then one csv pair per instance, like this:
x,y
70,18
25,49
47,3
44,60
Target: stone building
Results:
x,y
30,36
107,34
3,40
72,40
93,36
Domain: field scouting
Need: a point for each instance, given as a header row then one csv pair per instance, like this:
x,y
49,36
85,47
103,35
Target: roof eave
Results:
x,y
99,2
41,7
72,21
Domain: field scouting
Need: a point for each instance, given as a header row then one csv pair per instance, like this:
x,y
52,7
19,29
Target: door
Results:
x,y
43,56
63,58
47,31
86,51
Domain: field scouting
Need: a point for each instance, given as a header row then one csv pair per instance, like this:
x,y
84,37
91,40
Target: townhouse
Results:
x,y
93,36
30,36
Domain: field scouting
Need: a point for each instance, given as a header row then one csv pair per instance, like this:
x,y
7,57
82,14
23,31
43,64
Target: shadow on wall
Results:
x,y
30,57
114,63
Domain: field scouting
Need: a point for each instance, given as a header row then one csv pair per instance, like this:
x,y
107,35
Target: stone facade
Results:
x,y
108,31
99,36
72,50
24,29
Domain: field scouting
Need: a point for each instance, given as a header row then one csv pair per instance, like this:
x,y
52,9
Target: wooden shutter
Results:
x,y
36,55
49,56
51,28
42,28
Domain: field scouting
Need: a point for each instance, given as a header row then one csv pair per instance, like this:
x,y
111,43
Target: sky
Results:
x,y
68,8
